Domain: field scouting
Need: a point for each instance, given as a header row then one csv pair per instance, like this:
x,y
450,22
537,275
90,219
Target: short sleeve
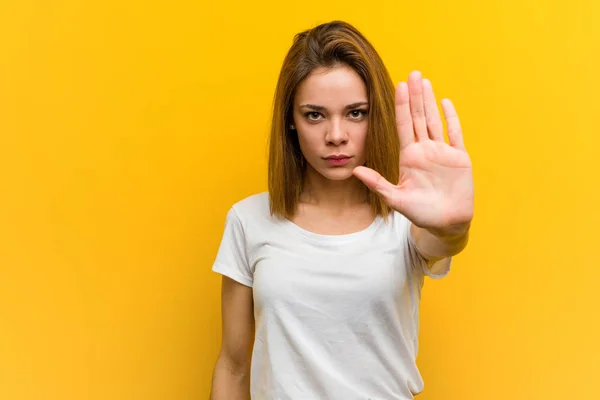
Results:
x,y
232,257
441,267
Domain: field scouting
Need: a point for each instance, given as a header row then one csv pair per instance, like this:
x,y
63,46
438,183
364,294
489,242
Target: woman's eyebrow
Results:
x,y
322,108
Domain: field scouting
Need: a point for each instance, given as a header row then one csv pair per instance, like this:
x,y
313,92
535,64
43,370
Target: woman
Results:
x,y
322,274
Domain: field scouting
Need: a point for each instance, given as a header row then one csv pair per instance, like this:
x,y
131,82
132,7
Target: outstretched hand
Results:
x,y
435,188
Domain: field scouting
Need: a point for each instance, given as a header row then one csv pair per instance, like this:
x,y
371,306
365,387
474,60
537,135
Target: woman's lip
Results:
x,y
338,161
337,157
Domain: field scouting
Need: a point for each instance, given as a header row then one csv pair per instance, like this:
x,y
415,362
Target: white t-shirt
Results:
x,y
337,316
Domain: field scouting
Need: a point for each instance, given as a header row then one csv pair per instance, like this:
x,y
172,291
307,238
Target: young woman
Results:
x,y
322,274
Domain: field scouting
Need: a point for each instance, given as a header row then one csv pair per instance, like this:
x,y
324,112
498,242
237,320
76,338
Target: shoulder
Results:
x,y
398,224
433,269
252,216
253,209
254,204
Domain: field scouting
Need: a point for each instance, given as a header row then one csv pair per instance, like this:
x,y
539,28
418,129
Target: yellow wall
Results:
x,y
128,128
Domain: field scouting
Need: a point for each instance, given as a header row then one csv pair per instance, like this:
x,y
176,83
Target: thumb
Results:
x,y
374,181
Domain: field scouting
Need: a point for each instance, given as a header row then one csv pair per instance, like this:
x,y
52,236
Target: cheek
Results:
x,y
360,137
308,143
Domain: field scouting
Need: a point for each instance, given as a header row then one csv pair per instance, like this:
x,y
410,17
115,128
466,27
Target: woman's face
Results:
x,y
331,118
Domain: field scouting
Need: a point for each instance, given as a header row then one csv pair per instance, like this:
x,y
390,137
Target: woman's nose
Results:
x,y
336,134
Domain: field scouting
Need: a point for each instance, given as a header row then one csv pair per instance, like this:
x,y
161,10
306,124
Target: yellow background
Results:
x,y
128,128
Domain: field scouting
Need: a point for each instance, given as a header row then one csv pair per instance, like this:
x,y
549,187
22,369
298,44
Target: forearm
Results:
x,y
230,383
439,245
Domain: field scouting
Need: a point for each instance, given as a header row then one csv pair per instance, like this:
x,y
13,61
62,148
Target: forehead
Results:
x,y
333,87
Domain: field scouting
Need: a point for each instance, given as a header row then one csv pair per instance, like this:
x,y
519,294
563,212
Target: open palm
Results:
x,y
435,189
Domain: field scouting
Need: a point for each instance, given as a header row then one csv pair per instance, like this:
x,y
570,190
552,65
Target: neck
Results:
x,y
335,195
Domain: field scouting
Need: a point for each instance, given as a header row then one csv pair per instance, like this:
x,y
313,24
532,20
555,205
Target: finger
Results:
x,y
403,118
432,113
375,181
454,130
417,109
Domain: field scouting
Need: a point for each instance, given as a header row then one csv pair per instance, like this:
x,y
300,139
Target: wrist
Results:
x,y
451,233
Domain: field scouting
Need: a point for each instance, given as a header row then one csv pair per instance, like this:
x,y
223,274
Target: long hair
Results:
x,y
328,45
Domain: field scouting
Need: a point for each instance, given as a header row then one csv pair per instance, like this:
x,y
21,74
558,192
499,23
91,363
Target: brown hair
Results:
x,y
328,45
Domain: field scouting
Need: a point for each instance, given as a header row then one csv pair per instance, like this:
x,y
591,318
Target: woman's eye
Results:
x,y
358,113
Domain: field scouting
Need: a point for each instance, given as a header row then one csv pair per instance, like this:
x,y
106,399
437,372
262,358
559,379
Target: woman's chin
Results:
x,y
338,174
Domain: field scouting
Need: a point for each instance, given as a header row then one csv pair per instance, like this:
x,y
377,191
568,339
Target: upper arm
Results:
x,y
232,258
237,310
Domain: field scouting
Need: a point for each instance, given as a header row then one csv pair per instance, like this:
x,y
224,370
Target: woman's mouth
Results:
x,y
338,159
